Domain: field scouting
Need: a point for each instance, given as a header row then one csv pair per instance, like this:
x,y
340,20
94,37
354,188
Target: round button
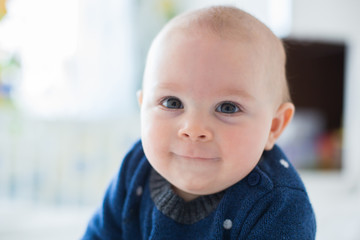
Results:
x,y
139,190
253,178
284,163
227,224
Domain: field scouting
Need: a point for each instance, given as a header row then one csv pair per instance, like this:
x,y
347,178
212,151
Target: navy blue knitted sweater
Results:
x,y
270,203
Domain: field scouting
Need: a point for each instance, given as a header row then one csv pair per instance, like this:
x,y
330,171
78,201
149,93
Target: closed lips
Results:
x,y
196,157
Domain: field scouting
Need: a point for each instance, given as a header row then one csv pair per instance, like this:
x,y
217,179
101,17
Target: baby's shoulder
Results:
x,y
133,156
277,168
273,179
272,199
134,164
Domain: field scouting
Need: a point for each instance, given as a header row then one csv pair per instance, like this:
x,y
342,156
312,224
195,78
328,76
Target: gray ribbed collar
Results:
x,y
173,206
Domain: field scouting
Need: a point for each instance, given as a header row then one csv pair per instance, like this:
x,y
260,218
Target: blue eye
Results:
x,y
228,108
172,103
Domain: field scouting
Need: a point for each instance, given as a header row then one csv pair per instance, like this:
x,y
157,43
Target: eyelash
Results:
x,y
166,99
233,105
164,103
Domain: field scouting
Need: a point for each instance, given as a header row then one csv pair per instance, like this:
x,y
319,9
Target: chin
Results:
x,y
196,189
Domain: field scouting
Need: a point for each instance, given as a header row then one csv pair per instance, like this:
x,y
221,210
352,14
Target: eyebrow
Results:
x,y
167,86
223,92
235,92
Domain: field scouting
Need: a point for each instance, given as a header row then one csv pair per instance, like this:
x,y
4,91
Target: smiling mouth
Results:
x,y
188,157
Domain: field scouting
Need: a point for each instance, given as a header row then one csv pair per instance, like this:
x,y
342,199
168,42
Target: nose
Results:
x,y
195,129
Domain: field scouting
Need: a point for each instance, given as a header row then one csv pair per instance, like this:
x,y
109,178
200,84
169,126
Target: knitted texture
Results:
x,y
270,203
175,207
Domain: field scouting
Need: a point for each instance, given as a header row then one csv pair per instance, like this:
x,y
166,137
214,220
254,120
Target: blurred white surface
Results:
x,y
26,221
336,203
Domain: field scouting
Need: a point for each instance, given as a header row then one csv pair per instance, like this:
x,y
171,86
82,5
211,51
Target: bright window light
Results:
x,y
280,17
76,57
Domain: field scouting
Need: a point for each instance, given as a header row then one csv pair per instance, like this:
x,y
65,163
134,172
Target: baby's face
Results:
x,y
206,113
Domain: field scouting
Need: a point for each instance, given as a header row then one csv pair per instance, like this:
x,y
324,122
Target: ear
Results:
x,y
281,119
139,95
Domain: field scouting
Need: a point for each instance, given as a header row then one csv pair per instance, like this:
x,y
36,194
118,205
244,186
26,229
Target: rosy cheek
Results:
x,y
239,138
155,129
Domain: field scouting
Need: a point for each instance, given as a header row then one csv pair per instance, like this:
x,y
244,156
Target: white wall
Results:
x,y
326,18
338,20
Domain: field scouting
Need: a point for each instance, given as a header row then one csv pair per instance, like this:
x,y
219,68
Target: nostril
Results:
x,y
194,134
201,137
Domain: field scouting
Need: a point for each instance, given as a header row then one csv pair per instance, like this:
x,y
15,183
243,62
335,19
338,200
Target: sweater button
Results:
x,y
139,191
227,224
253,178
284,163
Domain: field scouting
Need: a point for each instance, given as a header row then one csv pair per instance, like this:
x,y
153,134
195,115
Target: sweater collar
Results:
x,y
174,207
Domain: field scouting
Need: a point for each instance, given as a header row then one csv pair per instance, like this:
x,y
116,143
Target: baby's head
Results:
x,y
214,98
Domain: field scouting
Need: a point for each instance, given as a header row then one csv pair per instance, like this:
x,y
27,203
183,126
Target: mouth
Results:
x,y
195,157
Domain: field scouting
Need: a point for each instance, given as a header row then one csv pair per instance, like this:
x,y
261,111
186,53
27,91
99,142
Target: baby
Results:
x,y
214,101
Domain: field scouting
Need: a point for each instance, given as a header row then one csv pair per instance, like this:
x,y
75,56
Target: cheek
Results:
x,y
155,135
154,125
245,141
247,131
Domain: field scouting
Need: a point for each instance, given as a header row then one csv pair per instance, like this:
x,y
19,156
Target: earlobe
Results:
x,y
281,119
139,95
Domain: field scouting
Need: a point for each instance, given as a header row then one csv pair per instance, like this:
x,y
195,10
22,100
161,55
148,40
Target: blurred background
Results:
x,y
69,71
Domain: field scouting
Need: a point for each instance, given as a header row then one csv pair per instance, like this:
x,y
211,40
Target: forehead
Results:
x,y
203,62
245,47
226,23
177,37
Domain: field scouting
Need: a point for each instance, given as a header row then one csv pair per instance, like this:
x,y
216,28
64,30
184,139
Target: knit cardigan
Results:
x,y
270,203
